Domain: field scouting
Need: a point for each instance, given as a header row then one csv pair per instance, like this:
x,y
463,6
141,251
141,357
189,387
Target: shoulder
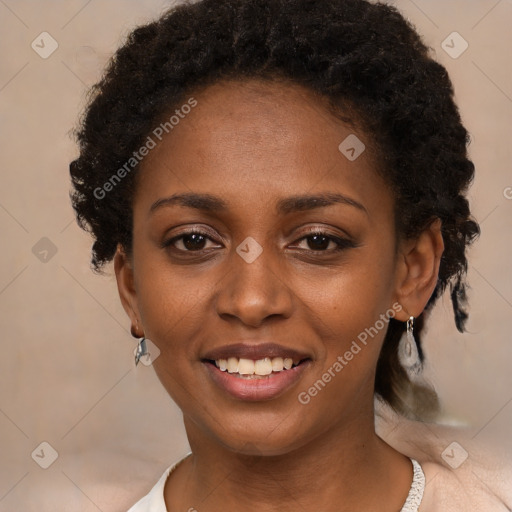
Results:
x,y
463,489
154,501
461,474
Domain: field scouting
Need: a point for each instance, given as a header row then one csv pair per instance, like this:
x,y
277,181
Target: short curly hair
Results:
x,y
364,57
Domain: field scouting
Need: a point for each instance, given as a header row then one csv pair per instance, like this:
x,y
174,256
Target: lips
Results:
x,y
255,377
255,352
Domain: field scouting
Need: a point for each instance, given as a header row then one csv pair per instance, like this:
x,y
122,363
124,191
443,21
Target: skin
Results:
x,y
252,144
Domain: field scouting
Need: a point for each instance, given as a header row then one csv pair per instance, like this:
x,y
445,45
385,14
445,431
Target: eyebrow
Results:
x,y
211,203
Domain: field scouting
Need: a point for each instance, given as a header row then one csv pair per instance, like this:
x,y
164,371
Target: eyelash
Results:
x,y
341,243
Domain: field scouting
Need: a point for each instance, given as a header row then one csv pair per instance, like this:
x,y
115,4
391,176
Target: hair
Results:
x,y
365,58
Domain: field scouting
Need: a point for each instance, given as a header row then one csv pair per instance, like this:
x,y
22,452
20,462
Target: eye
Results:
x,y
190,241
319,241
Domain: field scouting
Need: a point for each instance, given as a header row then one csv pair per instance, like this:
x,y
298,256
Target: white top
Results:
x,y
154,500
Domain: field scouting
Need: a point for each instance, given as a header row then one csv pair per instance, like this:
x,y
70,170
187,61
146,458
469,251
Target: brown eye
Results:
x,y
319,242
193,241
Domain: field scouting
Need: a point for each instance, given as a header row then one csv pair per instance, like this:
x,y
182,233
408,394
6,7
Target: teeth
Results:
x,y
233,364
246,367
261,367
277,364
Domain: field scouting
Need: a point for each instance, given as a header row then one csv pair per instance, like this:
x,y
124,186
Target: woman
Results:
x,y
281,187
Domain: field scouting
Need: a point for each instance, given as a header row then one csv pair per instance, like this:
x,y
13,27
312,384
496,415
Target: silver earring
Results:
x,y
142,350
408,350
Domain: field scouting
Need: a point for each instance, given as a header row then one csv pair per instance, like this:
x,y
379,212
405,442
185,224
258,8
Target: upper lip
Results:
x,y
255,351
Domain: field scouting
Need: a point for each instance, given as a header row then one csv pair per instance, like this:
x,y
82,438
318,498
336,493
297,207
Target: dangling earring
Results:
x,y
142,350
408,350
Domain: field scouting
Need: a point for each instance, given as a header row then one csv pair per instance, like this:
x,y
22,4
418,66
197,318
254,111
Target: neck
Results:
x,y
347,467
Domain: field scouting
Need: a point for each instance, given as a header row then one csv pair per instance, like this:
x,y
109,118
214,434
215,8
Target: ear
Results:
x,y
126,287
418,270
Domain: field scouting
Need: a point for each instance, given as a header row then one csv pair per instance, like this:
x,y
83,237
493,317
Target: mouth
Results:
x,y
255,369
255,372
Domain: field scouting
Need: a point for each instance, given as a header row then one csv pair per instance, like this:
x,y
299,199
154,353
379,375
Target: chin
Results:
x,y
254,436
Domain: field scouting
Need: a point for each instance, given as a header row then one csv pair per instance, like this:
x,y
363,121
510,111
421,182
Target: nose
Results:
x,y
254,291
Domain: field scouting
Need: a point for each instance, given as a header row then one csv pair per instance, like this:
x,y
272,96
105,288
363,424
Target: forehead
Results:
x,y
253,140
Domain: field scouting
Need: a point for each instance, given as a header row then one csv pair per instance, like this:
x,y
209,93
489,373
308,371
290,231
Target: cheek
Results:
x,y
352,298
171,309
169,306
350,313
352,332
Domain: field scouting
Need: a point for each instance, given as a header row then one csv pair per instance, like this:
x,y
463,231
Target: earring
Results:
x,y
142,350
408,350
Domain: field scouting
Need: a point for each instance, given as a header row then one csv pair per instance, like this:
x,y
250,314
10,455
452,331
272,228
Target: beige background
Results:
x,y
66,369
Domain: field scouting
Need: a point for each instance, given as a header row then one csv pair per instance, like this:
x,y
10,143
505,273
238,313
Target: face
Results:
x,y
292,256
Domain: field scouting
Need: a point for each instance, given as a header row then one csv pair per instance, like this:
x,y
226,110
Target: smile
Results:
x,y
247,368
255,380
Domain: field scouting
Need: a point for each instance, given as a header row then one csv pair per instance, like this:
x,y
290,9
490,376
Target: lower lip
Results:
x,y
255,389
